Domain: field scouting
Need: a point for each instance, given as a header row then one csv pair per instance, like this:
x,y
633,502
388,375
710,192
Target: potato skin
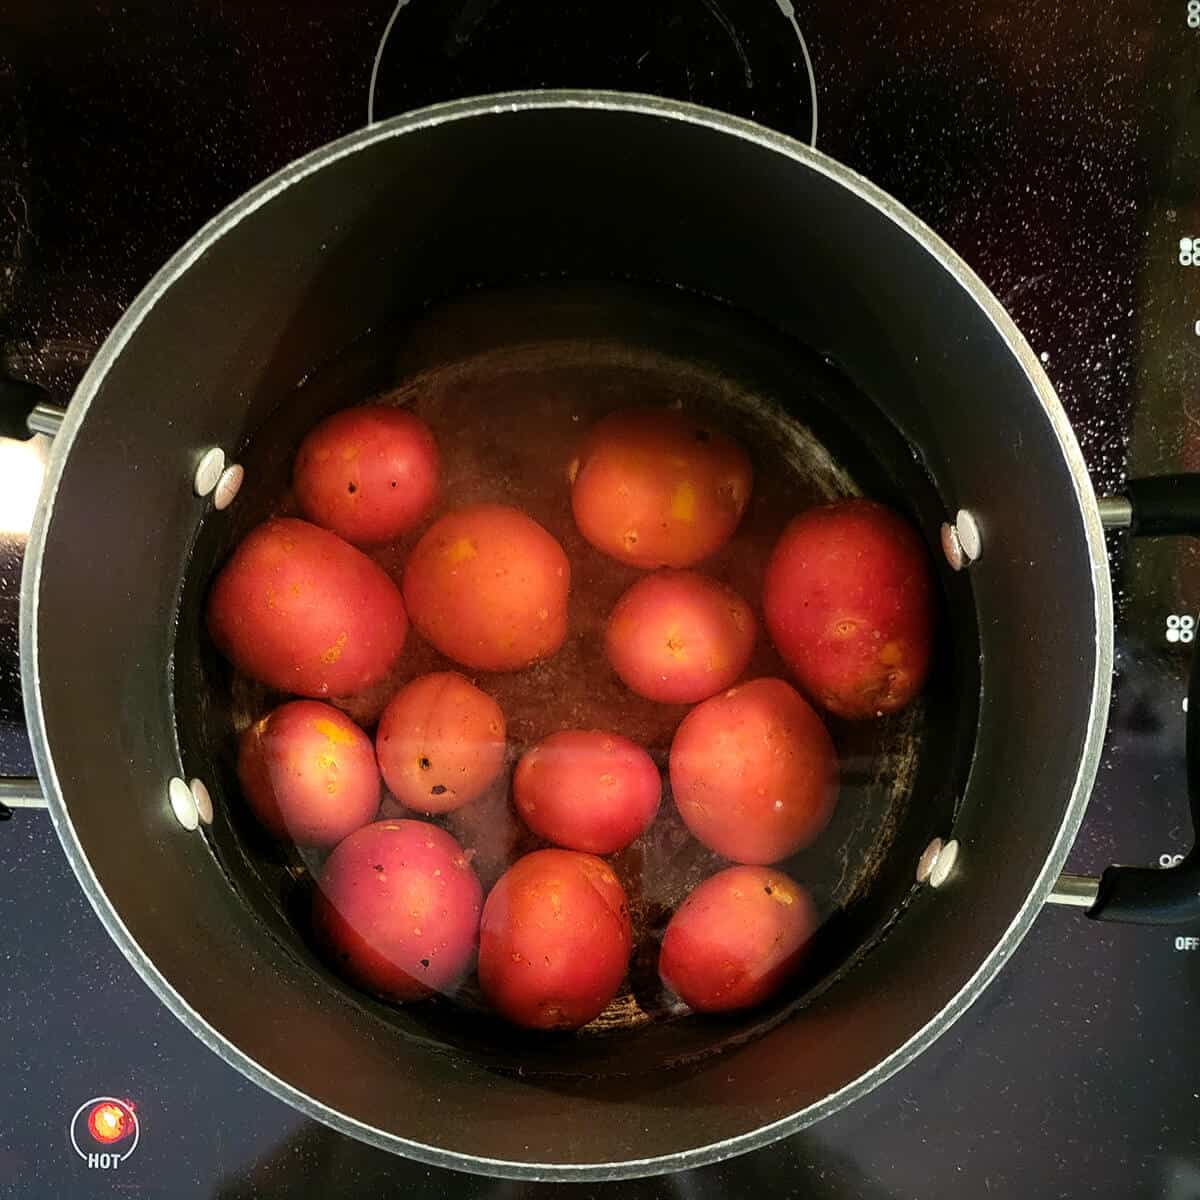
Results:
x,y
309,774
848,601
487,586
587,790
754,772
440,742
370,473
679,637
555,940
736,939
396,910
657,488
302,611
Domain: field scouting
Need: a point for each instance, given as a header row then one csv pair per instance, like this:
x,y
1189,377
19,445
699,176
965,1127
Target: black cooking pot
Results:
x,y
595,187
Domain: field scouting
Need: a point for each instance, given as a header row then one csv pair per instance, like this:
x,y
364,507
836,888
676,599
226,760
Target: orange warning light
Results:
x,y
109,1122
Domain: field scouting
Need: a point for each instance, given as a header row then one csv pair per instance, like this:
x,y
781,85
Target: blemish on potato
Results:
x,y
572,470
334,732
462,549
683,502
335,651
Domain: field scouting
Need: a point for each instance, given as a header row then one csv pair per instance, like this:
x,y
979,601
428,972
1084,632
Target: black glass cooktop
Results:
x,y
1055,145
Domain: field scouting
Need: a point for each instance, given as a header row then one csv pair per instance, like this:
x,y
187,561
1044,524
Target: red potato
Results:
x,y
658,488
754,772
370,474
555,940
396,910
440,743
309,774
304,612
679,637
848,601
587,790
487,586
736,939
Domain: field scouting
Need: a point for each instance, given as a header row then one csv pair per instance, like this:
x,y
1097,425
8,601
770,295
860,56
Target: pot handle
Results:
x,y
1158,506
25,409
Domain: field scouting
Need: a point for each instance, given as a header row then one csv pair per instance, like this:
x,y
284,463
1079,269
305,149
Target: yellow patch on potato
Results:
x,y
683,502
335,651
461,550
892,654
675,642
336,733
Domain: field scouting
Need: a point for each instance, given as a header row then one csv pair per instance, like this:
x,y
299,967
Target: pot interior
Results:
x,y
492,270
510,379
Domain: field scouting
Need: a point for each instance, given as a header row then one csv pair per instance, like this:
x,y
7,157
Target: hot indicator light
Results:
x,y
109,1122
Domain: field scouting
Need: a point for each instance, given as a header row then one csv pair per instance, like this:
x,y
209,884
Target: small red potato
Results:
x,y
302,611
587,790
309,774
487,586
440,743
848,601
555,940
370,474
658,488
679,637
736,939
754,772
396,910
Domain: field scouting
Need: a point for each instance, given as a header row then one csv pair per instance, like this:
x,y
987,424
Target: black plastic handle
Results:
x,y
1163,506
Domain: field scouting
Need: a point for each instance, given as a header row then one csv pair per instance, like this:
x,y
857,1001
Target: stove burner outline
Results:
x,y
785,7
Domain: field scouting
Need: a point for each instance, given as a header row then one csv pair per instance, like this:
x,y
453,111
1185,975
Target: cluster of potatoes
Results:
x,y
398,909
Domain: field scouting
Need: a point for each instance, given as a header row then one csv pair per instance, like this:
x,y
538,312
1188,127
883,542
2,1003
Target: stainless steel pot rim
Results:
x,y
668,110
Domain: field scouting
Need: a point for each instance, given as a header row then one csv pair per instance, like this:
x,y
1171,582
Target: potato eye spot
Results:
x,y
630,538
844,628
731,493
423,763
393,483
352,488
438,789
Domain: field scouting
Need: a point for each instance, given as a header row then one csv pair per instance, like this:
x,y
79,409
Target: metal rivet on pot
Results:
x,y
928,859
944,864
967,529
228,486
204,808
183,803
952,547
208,471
